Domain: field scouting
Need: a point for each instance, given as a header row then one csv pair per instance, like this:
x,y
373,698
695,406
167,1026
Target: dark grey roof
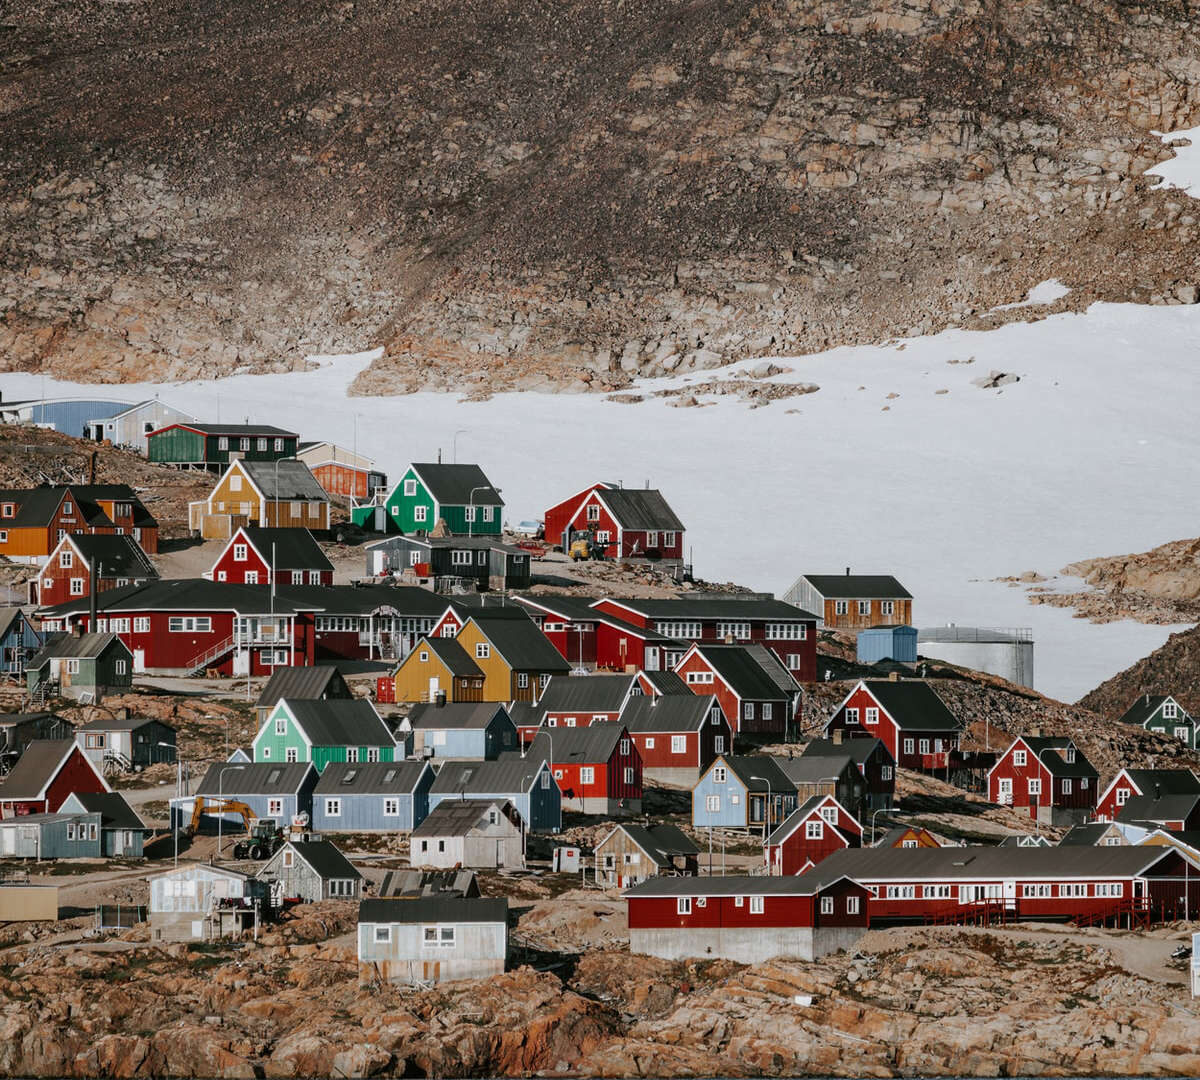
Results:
x,y
585,745
773,666
1148,808
285,478
758,885
672,712
756,770
339,722
1051,751
1085,835
727,607
81,646
370,778
456,715
119,723
525,714
260,778
118,556
511,774
324,857
522,645
232,429
1155,783
37,506
303,683
859,749
913,704
434,909
640,509
286,549
815,768
411,884
660,842
974,863
571,608
743,672
115,812
858,586
458,817
1145,707
451,485
36,767
452,655
666,683
586,693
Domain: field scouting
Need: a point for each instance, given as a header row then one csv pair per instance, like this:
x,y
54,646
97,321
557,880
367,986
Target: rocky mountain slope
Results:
x,y
1172,669
540,192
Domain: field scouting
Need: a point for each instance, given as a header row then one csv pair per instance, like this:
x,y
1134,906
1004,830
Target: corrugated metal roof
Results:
x,y
340,723
434,909
666,682
118,556
411,884
458,817
758,773
859,749
913,704
115,812
286,549
76,646
370,778
1159,782
325,858
682,712
816,768
519,642
452,655
741,885
743,672
303,683
284,478
36,767
1166,808
260,778
590,693
660,842
586,745
640,509
456,716
511,774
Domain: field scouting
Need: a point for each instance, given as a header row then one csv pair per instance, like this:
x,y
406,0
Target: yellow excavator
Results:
x,y
262,838
201,806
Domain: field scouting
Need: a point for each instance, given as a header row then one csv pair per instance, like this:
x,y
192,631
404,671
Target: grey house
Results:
x,y
122,832
126,742
86,826
198,902
483,560
18,641
273,792
311,870
472,730
475,834
432,940
384,796
83,667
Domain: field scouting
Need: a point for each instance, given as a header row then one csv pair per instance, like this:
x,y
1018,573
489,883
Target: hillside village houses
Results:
x,y
33,521
278,494
79,559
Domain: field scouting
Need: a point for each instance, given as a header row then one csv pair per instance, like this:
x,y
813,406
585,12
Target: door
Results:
x,y
139,661
380,563
499,854
1005,792
241,662
1010,893
8,841
652,658
435,687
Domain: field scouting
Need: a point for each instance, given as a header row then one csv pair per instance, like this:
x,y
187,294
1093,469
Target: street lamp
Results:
x,y
178,792
454,444
881,810
221,798
471,506
767,812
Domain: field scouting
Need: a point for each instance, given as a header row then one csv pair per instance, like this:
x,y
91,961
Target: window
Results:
x,y
70,831
1019,759
297,577
177,624
852,905
66,559
678,744
1073,888
223,442
450,630
829,814
841,607
121,667
872,715
383,935
683,905
719,744
787,631
826,905
1110,888
279,446
281,726
274,807
244,443
72,667
864,607
887,607
482,650
719,774
1035,786
289,859
712,804
10,509
756,905
266,753
68,509
545,780
908,746
4,536
629,776
469,513
625,746
603,536
924,746
593,512
235,483
794,661
885,772
901,892
352,754
119,626
739,631
460,558
1122,796
748,711
739,901
649,744
851,716
699,677
668,539
766,710
250,577
682,630
1083,783
333,807
587,774
933,892
1170,710
522,681
291,756
420,513
76,586
1066,787
1070,755
813,830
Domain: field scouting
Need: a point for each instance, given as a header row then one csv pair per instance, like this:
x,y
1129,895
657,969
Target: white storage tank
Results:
x,y
1003,651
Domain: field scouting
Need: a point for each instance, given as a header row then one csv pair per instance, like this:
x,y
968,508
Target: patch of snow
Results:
x,y
946,492
1183,170
1044,292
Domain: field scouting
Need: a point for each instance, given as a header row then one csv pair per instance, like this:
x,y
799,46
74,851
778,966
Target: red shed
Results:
x,y
598,768
746,919
46,773
1049,777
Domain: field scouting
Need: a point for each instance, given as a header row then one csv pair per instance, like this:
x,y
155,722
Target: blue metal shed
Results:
x,y
897,643
71,416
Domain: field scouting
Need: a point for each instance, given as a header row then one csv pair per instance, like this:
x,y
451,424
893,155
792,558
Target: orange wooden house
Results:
x,y
34,520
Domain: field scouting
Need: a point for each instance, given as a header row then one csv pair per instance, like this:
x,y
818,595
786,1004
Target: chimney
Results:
x,y
1147,697
838,736
728,639
847,571
893,676
77,629
1036,732
439,699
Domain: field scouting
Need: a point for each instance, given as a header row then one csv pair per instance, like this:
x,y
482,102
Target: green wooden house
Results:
x,y
322,731
214,446
1161,713
83,667
460,495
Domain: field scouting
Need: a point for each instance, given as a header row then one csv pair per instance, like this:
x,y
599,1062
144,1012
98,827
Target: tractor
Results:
x,y
584,545
264,839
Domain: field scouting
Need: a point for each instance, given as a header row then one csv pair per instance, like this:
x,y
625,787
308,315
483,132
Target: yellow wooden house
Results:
x,y
438,666
516,658
280,494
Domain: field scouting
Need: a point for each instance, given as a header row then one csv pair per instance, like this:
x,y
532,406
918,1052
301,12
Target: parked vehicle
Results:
x,y
528,528
263,841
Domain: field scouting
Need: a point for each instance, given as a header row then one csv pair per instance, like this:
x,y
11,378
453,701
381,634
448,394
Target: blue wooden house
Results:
x,y
275,792
18,641
734,793
377,797
474,730
526,782
86,826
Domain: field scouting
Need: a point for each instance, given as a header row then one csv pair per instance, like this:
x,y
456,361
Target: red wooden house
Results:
x,y
598,768
580,701
1048,777
809,834
46,773
1143,783
1082,882
630,523
677,735
255,556
907,716
788,631
753,696
746,919
113,560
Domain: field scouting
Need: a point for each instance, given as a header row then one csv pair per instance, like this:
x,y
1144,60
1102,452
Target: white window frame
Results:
x,y
333,807
683,905
814,830
1020,759
826,905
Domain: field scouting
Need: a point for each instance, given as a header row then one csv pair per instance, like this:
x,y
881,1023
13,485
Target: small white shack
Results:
x,y
198,902
476,834
432,939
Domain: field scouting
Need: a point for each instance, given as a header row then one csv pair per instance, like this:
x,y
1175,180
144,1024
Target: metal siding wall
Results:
x,y
70,417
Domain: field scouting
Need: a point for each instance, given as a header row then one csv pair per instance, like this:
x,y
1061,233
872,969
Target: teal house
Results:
x,y
1161,713
460,495
323,731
